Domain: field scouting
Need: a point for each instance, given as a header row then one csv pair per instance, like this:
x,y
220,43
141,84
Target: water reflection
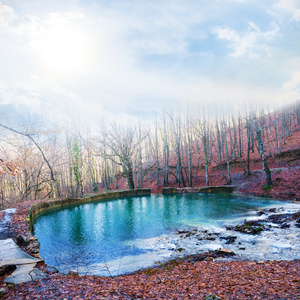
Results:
x,y
100,232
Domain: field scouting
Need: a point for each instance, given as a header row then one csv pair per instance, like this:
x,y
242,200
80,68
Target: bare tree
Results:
x,y
189,152
123,144
177,135
166,151
224,134
261,148
202,130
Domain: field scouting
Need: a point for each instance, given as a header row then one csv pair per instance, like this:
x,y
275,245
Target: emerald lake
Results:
x,y
123,235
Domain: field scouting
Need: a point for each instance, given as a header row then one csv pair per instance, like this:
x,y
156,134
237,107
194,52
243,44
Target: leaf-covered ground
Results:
x,y
176,280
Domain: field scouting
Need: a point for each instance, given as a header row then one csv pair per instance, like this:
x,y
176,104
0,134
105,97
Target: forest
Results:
x,y
177,149
256,150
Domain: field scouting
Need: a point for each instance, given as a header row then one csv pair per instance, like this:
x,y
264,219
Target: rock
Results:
x,y
212,297
209,258
182,231
7,269
284,225
35,250
224,252
73,273
264,211
249,227
261,213
3,291
230,239
22,240
25,273
11,254
283,218
257,230
35,244
172,247
2,270
51,269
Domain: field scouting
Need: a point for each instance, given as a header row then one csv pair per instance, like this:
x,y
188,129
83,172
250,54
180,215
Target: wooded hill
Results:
x,y
177,149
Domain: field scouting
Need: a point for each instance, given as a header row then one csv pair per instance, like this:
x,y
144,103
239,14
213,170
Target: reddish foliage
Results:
x,y
176,280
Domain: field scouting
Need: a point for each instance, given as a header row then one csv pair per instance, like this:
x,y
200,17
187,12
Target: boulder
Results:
x,y
25,273
224,252
22,240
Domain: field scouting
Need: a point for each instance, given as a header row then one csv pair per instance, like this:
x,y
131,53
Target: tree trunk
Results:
x,y
130,177
204,140
263,157
227,154
248,147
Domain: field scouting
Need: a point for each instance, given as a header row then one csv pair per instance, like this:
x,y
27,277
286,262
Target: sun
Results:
x,y
64,48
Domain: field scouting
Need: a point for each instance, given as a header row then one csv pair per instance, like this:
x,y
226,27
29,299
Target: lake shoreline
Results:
x,y
19,226
165,271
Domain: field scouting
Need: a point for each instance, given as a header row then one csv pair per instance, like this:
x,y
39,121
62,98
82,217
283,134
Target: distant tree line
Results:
x,y
176,147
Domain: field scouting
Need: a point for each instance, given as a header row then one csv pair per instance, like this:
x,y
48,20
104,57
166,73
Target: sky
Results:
x,y
88,59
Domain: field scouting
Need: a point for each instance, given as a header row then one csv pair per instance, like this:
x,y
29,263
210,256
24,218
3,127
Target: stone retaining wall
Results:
x,y
207,189
39,209
218,189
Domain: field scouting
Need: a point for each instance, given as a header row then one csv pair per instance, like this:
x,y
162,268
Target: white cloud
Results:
x,y
7,14
292,6
252,43
162,28
20,96
290,90
293,83
137,57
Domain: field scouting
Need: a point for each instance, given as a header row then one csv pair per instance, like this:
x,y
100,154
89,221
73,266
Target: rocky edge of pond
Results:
x,y
256,226
251,227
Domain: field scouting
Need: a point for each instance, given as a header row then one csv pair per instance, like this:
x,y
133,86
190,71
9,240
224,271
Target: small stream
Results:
x,y
4,232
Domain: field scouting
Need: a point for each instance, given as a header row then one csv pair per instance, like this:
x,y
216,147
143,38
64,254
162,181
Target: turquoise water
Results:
x,y
101,232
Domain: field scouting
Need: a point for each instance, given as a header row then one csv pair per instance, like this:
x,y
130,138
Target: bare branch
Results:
x,y
36,144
